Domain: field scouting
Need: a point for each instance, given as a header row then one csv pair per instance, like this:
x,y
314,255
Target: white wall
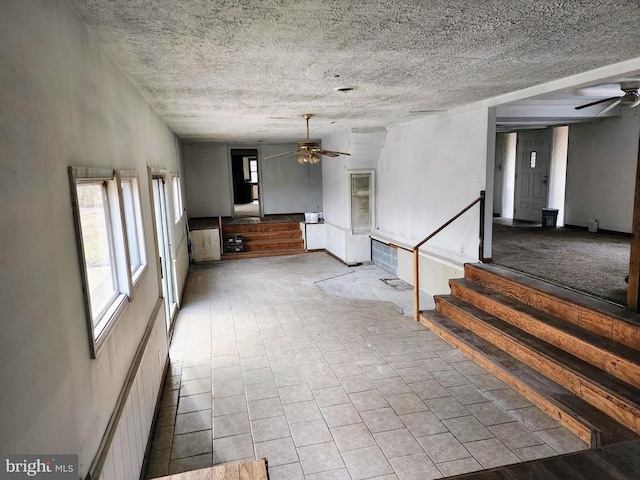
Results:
x,y
509,174
208,180
498,181
64,103
364,147
429,169
426,171
285,185
601,171
558,171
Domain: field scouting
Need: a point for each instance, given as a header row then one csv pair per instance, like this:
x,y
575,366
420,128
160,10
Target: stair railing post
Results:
x,y
416,283
482,212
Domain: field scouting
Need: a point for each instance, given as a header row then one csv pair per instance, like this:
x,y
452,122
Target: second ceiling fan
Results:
x,y
631,97
308,150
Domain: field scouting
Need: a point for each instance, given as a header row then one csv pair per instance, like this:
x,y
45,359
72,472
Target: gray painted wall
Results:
x,y
208,180
64,103
285,185
601,171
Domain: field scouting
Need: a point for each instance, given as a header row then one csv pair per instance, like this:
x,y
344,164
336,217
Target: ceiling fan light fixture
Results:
x,y
630,99
310,157
308,150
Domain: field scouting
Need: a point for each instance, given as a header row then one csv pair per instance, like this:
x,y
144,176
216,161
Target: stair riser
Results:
x,y
617,366
259,227
582,431
597,322
280,253
246,236
249,247
594,394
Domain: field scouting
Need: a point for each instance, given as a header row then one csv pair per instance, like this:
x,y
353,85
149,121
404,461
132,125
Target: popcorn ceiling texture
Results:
x,y
247,69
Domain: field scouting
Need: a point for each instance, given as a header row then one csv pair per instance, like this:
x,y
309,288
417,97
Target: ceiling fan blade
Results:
x,y
609,107
330,153
586,105
280,155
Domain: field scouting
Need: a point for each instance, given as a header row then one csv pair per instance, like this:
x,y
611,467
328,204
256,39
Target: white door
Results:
x,y
532,174
161,217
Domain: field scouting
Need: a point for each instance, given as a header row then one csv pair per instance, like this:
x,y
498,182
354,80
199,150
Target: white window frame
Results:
x,y
176,187
100,324
253,161
372,200
138,229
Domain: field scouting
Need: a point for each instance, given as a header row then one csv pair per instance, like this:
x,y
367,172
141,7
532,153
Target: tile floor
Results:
x,y
313,365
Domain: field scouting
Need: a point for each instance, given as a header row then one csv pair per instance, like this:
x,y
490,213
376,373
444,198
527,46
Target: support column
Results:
x,y
633,292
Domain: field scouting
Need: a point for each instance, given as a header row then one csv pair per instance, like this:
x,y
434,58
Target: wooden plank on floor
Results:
x,y
256,470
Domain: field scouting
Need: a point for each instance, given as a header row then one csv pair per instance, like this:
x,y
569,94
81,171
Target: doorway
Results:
x,y
161,219
245,183
533,152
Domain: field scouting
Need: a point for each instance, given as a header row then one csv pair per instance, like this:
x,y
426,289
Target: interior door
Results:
x,y
532,174
161,217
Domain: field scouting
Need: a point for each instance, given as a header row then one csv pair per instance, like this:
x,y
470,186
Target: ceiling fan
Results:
x,y
308,151
631,98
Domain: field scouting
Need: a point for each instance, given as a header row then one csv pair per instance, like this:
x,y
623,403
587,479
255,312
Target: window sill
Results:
x,y
108,321
138,274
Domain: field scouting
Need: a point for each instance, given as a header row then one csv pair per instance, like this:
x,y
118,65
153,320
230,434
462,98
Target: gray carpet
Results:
x,y
594,263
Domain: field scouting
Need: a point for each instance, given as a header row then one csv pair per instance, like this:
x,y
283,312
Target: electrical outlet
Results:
x,y
461,248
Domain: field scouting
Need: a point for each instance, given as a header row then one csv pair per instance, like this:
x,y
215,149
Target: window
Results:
x,y
133,224
177,198
253,171
98,248
361,184
110,243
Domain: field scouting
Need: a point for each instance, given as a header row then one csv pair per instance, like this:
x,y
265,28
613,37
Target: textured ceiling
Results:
x,y
245,70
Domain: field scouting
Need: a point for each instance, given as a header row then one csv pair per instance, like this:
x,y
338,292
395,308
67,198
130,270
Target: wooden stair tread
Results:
x,y
623,391
568,294
270,241
620,461
606,429
603,317
606,351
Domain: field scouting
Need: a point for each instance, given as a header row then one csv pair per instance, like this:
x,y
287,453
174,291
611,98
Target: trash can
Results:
x,y
549,217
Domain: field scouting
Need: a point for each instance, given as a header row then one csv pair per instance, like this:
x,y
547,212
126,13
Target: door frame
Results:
x,y
517,187
256,148
167,274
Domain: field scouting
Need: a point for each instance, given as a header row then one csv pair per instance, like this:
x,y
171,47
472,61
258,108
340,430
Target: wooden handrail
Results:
x,y
416,249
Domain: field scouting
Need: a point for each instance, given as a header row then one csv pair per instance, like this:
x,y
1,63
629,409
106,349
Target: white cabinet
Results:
x,y
205,245
314,235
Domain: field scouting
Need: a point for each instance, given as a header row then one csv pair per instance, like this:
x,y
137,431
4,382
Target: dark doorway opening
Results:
x,y
244,168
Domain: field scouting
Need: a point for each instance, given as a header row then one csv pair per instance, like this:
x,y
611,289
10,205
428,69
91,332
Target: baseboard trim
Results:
x,y
600,230
103,450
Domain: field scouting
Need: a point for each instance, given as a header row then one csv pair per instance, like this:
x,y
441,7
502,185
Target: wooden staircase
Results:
x,y
574,356
266,239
